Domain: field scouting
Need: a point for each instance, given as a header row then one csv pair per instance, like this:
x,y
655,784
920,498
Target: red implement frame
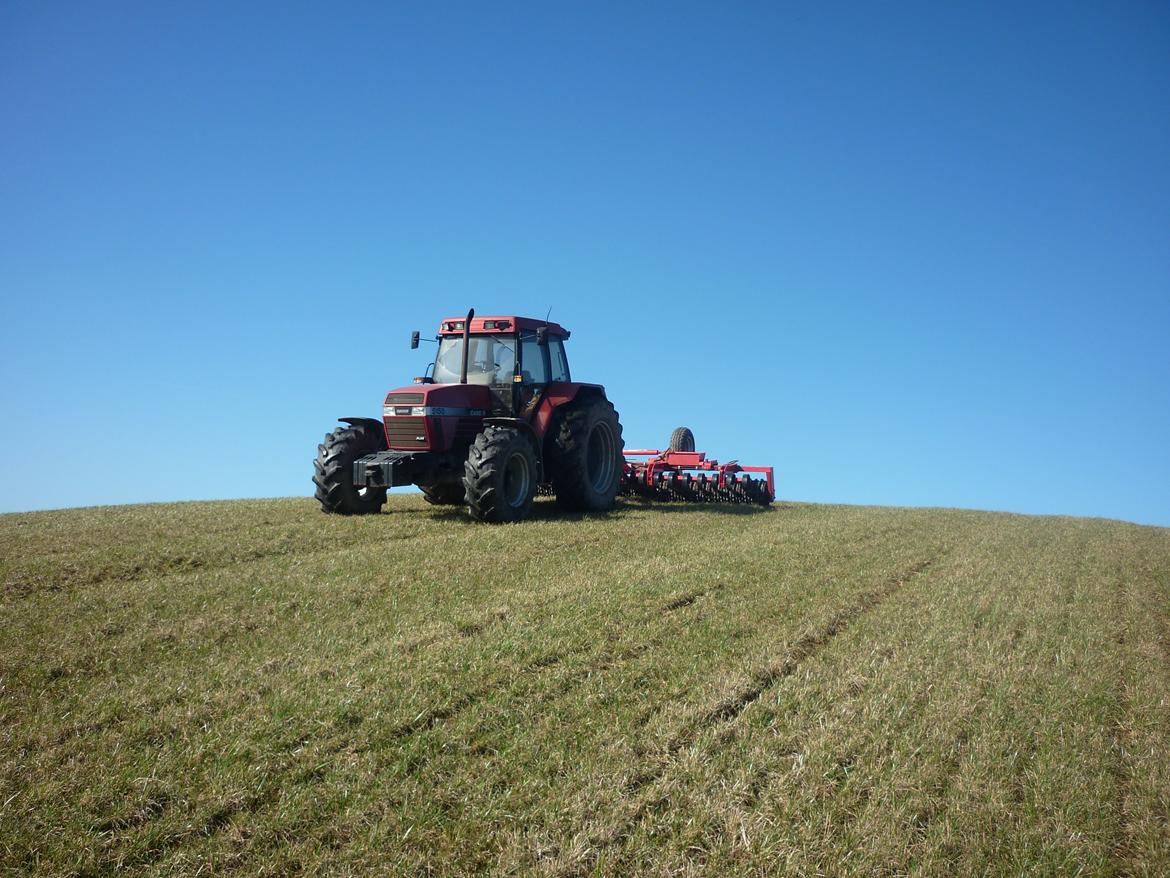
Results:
x,y
641,473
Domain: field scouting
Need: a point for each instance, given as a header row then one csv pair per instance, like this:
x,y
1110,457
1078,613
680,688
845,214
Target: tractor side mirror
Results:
x,y
414,340
542,335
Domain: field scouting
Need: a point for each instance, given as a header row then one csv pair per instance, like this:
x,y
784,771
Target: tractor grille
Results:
x,y
404,399
405,432
466,429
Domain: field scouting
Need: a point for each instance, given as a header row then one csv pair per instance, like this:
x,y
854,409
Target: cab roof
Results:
x,y
504,324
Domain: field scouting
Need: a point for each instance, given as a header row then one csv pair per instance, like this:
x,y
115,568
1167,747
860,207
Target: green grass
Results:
x,y
256,688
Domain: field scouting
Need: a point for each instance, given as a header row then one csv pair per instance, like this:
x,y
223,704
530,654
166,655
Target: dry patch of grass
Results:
x,y
254,687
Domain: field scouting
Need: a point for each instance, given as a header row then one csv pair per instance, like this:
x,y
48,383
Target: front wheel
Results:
x,y
499,478
333,471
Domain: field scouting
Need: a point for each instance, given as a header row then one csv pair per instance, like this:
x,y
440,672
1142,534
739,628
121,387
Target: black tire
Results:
x,y
499,478
443,494
586,456
333,471
682,439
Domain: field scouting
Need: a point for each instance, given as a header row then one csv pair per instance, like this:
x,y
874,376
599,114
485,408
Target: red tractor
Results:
x,y
496,417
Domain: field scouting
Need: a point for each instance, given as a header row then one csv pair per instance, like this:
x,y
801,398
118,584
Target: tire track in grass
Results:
x,y
601,663
17,589
120,715
1119,768
804,648
940,779
16,586
215,821
690,597
1134,600
19,584
1155,604
434,716
731,708
604,661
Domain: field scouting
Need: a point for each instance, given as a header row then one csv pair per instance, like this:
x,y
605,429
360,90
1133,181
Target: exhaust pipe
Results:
x,y
466,346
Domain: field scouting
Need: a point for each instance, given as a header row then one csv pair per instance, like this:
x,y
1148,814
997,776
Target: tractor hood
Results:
x,y
439,400
434,417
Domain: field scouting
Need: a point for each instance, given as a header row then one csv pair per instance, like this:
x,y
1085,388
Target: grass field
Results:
x,y
257,688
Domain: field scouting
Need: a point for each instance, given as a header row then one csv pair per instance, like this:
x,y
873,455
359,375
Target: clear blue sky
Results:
x,y
907,253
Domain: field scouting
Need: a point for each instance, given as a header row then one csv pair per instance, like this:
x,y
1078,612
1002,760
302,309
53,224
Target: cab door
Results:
x,y
503,386
534,374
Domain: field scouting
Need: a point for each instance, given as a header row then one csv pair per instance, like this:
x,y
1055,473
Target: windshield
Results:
x,y
491,359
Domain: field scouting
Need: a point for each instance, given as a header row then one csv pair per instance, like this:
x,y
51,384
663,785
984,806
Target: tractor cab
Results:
x,y
515,358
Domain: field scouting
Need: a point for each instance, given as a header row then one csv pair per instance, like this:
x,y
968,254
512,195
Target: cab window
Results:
x,y
532,362
490,359
560,366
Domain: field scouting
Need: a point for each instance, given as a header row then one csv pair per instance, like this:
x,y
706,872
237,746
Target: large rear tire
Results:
x,y
587,457
499,478
444,494
333,471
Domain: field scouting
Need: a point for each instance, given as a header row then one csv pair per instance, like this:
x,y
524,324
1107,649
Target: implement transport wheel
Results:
x,y
443,494
333,471
500,475
587,459
682,439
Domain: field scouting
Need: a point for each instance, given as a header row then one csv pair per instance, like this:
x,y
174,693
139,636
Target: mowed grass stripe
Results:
x,y
429,696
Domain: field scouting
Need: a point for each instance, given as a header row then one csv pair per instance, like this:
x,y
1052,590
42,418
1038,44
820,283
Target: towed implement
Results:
x,y
690,477
681,473
496,419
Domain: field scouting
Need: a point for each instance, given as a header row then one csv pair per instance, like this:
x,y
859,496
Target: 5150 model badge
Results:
x,y
436,411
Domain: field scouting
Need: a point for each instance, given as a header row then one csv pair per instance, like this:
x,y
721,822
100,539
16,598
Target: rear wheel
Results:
x,y
333,471
682,439
587,457
499,478
444,493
